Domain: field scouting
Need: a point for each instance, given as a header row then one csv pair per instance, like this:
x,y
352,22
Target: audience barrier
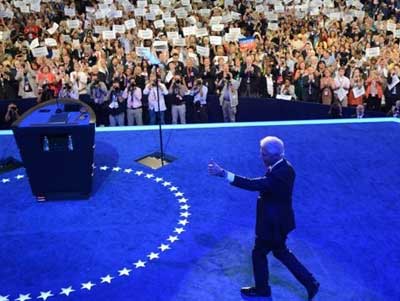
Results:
x,y
249,109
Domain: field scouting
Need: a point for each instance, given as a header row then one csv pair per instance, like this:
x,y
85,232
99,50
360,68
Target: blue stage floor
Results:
x,y
178,234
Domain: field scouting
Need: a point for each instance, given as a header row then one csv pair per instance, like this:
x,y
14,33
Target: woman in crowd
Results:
x,y
356,97
327,86
374,91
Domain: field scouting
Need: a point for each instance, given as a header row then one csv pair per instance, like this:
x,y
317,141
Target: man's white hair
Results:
x,y
273,145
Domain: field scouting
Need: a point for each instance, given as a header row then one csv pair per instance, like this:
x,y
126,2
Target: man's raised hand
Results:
x,y
215,170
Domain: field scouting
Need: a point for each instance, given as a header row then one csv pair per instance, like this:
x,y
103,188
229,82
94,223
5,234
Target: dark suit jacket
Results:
x,y
311,90
275,216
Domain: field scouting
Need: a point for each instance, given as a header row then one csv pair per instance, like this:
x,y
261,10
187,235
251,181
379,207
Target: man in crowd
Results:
x,y
177,92
156,91
98,96
134,107
250,78
311,86
199,93
116,105
228,98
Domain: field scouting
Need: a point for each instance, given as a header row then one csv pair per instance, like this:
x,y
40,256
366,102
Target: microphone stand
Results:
x,y
159,116
157,159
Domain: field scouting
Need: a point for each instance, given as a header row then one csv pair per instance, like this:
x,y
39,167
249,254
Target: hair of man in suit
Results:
x,y
272,150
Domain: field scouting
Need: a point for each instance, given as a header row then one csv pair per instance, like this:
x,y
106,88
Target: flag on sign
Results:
x,y
248,43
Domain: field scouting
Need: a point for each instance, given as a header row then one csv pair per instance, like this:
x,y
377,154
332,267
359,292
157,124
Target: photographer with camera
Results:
x,y
45,93
116,105
133,96
199,93
154,95
98,93
27,81
177,91
12,115
228,98
69,90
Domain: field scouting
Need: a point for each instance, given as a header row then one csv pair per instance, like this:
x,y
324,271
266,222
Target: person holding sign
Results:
x,y
357,90
275,217
342,86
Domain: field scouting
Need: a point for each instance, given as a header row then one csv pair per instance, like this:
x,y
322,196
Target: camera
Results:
x,y
228,78
178,82
67,86
154,84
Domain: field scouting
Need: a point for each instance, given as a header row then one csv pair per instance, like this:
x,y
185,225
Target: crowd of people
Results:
x,y
339,53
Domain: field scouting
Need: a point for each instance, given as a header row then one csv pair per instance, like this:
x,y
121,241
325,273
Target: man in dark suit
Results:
x,y
275,217
311,86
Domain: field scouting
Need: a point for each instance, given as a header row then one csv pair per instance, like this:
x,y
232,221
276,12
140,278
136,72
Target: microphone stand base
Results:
x,y
155,160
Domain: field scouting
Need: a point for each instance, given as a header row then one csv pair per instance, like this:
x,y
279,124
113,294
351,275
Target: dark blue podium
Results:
x,y
56,143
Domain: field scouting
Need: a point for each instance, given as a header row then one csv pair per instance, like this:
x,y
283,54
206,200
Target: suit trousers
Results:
x,y
285,256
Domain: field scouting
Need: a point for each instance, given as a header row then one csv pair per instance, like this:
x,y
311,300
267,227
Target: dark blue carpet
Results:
x,y
346,202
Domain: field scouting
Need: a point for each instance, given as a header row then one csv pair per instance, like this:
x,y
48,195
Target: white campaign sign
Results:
x,y
203,51
129,24
190,30
372,52
215,40
50,42
159,24
40,51
357,92
73,24
146,34
119,28
108,35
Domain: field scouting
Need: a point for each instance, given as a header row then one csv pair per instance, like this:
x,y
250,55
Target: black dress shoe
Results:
x,y
253,292
313,291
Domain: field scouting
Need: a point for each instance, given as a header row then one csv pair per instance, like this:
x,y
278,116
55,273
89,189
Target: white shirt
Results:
x,y
82,82
198,97
134,98
343,83
153,102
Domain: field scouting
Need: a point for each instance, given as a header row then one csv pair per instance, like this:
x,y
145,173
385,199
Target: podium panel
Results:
x,y
56,143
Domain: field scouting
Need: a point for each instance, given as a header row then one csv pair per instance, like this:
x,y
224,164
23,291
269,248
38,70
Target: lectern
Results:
x,y
56,143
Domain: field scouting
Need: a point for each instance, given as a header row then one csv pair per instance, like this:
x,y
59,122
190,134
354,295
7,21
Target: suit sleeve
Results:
x,y
278,179
253,184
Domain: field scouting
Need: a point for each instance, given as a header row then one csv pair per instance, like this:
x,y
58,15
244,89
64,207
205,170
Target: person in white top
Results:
x,y
133,96
79,77
151,91
342,86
